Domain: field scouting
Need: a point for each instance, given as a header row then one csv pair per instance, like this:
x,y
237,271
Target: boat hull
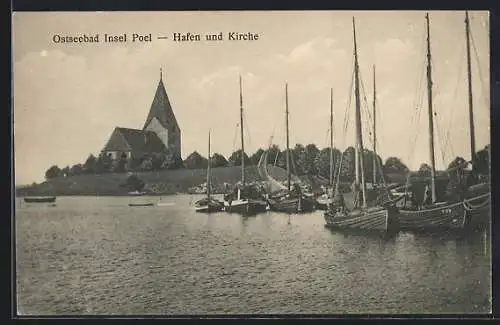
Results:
x,y
246,207
375,219
51,199
205,206
322,204
443,217
292,205
141,204
478,211
209,208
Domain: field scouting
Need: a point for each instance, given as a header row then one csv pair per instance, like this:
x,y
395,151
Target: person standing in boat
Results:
x,y
427,195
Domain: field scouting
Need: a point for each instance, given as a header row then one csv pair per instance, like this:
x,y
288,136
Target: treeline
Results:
x,y
305,160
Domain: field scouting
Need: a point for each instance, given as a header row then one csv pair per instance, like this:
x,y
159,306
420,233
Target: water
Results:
x,y
96,255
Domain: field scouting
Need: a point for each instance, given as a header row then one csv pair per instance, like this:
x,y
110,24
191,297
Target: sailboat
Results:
x,y
293,200
244,198
208,204
445,214
323,201
362,216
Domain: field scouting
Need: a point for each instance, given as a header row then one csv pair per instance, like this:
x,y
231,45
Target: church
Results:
x,y
160,134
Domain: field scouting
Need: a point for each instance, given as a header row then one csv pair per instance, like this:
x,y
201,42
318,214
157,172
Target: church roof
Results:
x,y
161,109
136,141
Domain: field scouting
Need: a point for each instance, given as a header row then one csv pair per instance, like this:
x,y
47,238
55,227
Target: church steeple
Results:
x,y
161,107
161,118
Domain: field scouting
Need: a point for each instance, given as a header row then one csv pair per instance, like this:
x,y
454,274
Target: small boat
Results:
x,y
141,204
362,215
290,200
208,204
324,200
455,213
243,198
137,193
377,219
40,199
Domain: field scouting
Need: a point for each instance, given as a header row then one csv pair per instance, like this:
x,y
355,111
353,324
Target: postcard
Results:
x,y
252,162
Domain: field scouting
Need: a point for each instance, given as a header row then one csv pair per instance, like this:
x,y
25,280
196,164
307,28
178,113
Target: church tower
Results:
x,y
161,120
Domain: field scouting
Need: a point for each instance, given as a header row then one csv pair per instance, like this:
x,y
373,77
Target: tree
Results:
x,y
76,169
147,163
235,159
218,160
424,170
195,161
103,164
133,183
254,159
322,162
173,161
347,170
157,160
311,153
65,172
52,172
273,154
121,163
458,161
89,167
395,165
298,160
481,161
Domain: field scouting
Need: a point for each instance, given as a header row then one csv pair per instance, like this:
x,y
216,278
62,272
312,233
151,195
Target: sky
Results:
x,y
68,98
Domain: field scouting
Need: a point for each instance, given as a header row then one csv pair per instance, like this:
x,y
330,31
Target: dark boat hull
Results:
x,y
246,207
442,217
205,206
141,204
479,211
292,205
51,199
375,219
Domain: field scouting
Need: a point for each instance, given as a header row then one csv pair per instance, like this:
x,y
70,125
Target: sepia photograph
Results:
x,y
251,162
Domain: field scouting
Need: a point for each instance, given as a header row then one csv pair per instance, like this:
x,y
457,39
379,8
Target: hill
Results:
x,y
161,182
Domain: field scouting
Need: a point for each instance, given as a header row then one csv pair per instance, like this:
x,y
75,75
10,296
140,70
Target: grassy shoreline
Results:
x,y
164,182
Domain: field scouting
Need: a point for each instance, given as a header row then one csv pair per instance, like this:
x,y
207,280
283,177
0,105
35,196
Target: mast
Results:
x,y
430,113
374,129
288,173
241,136
209,185
360,174
331,136
469,79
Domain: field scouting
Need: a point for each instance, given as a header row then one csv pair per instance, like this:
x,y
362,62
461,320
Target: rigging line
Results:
x,y
455,95
235,137
418,114
245,123
481,79
368,117
417,101
441,148
349,103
